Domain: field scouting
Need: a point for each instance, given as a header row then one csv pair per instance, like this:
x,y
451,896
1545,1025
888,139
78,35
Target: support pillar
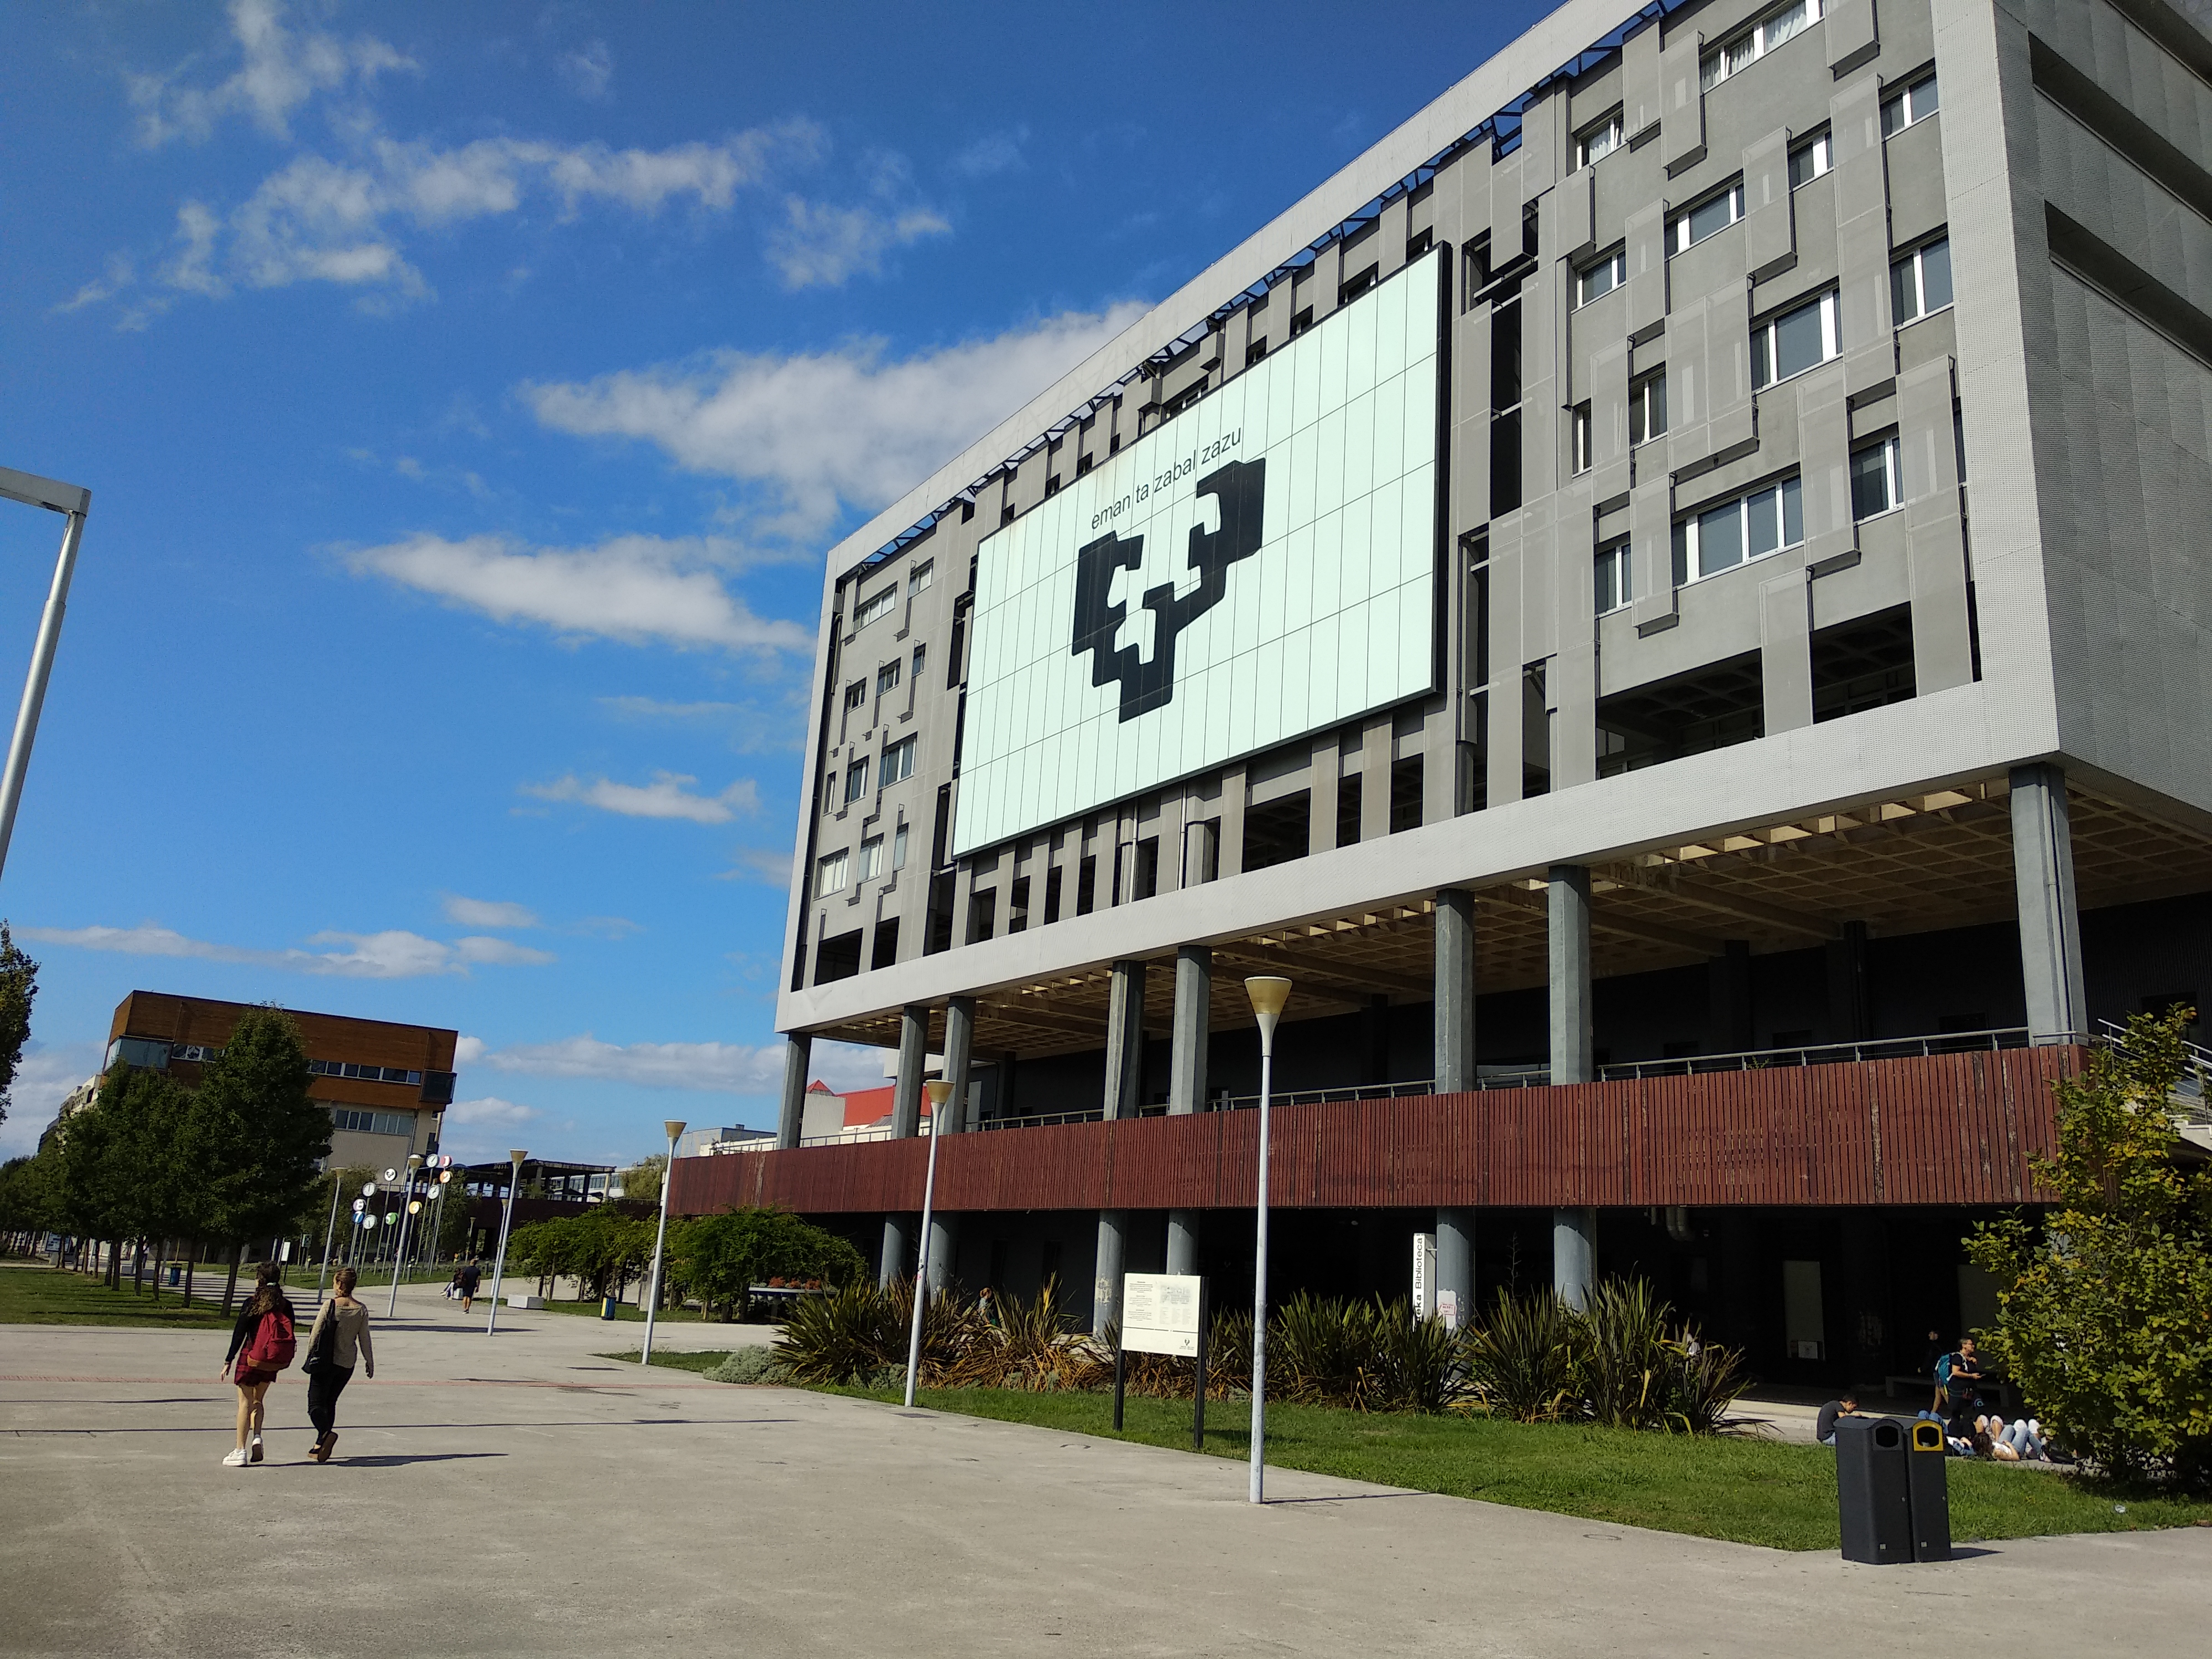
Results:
x,y
898,1232
943,1246
1850,1012
1574,1254
1727,990
798,1058
1569,941
1455,1019
2049,925
1106,1288
1182,1241
959,1045
1193,1032
1125,1040
1455,1261
913,1054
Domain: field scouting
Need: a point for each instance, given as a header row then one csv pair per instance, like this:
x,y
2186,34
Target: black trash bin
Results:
x,y
1928,1487
1873,1498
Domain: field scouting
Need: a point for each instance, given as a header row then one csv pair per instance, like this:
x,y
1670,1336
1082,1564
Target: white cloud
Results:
x,y
279,70
666,797
488,913
734,1068
393,954
482,1131
631,588
763,864
589,69
44,1077
821,246
996,152
830,430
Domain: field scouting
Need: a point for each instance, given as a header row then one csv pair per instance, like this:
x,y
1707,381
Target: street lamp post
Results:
x,y
329,1233
674,1126
938,1089
406,1212
73,503
1268,991
506,1221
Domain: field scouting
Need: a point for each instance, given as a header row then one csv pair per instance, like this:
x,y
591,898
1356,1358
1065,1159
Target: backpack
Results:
x,y
1943,1371
273,1345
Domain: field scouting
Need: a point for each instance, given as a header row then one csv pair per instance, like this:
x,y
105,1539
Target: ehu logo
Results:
x,y
1238,489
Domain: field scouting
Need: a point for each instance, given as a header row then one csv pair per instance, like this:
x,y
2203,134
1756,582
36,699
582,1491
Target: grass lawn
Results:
x,y
624,1314
705,1360
34,1295
1751,1491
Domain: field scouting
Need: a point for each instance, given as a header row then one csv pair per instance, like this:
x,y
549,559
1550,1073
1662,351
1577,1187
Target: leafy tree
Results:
x,y
253,1137
26,1196
143,1180
18,987
601,1249
2105,1314
720,1258
640,1182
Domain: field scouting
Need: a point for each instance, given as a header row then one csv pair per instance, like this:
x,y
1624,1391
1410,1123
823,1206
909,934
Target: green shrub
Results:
x,y
1525,1359
1628,1362
843,1336
749,1365
720,1258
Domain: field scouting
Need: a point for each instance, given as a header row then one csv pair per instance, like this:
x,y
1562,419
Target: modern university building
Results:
x,y
1669,597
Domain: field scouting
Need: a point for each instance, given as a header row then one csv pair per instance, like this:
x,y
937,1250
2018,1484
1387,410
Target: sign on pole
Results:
x,y
1159,1314
1424,1274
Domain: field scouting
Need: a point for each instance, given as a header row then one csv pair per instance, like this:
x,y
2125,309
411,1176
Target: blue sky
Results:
x,y
468,397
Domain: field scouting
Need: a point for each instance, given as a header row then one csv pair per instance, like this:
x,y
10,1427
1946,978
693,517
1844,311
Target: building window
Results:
x,y
1716,213
856,694
1797,340
1810,161
887,678
1736,533
320,1067
1920,281
920,577
877,605
898,847
1607,274
872,858
1578,430
1874,484
829,874
1647,407
856,780
1612,570
372,1123
1915,103
898,763
1256,350
1596,143
921,654
1735,56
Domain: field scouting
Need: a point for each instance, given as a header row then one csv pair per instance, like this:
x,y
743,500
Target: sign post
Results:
x,y
1163,1313
1424,1274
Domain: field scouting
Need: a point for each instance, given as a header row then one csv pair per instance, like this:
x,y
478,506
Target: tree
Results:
x,y
720,1258
143,1180
253,1137
640,1182
19,987
2105,1313
26,1196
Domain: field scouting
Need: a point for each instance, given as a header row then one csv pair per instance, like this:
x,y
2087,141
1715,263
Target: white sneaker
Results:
x,y
236,1459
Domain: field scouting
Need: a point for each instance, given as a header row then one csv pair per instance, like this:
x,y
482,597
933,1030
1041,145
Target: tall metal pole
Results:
x,y
406,1212
506,1222
329,1233
75,502
939,1090
1268,994
675,1128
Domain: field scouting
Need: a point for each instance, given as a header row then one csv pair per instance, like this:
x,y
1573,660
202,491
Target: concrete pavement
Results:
x,y
519,1495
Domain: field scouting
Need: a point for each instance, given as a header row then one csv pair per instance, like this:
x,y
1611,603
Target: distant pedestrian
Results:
x,y
261,1345
338,1342
1824,1427
468,1276
988,1305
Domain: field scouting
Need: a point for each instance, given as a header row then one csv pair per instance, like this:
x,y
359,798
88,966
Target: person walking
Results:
x,y
338,1342
468,1276
261,1345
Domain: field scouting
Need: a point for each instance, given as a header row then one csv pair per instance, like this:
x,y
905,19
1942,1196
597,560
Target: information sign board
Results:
x,y
1159,1314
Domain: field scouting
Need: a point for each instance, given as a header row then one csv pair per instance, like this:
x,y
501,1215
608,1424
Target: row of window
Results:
x,y
898,766
372,1123
834,873
366,1073
879,603
887,678
1753,524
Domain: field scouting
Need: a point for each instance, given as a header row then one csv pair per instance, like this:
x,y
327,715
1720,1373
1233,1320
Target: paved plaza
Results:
x,y
520,1496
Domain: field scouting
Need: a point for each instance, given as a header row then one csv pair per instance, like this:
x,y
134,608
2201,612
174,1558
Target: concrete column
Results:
x,y
1850,1017
1570,896
798,1058
944,1247
959,1045
1455,1259
2043,878
913,1054
1106,1289
1194,1025
898,1232
1182,1241
1574,1254
1125,1040
1728,989
1455,994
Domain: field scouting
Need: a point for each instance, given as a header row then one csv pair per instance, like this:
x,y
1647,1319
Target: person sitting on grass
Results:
x,y
1824,1428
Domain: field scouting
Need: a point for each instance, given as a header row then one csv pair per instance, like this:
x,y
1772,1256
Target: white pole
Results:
x,y
406,1212
660,1239
1268,995
506,1222
939,1092
329,1233
34,685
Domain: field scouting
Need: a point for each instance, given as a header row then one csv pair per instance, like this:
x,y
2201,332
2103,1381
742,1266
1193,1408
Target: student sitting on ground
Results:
x,y
1824,1428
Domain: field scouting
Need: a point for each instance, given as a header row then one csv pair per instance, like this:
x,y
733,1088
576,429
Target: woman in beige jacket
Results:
x,y
337,1343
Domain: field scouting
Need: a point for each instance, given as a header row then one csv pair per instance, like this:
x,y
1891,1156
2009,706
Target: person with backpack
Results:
x,y
337,1343
261,1345
466,1277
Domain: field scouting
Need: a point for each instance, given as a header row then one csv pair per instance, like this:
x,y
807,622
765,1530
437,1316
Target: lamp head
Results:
x,y
674,1126
939,1092
1268,993
413,1161
516,1157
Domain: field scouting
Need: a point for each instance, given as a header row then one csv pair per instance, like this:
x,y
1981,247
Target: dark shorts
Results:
x,y
253,1379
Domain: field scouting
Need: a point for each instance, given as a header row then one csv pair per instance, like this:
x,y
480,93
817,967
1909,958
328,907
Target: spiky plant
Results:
x,y
1525,1360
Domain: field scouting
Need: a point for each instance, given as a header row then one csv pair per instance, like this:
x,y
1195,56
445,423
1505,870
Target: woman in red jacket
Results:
x,y
252,1374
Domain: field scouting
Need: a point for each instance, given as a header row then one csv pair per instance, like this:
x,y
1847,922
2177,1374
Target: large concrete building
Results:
x,y
1669,596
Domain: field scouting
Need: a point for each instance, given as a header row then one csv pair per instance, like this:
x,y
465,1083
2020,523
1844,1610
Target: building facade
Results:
x,y
1668,598
386,1086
